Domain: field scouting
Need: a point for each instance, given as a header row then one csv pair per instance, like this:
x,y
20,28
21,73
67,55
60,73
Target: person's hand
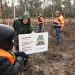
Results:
x,y
62,27
21,54
33,32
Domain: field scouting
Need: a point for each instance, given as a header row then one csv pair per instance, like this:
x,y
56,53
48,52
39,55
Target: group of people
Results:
x,y
10,62
58,25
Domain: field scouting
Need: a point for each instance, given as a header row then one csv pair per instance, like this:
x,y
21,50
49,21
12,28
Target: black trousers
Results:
x,y
40,27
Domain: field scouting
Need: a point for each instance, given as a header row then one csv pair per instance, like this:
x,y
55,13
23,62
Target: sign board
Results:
x,y
33,43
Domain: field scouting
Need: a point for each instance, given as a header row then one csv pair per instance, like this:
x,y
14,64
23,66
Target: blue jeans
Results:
x,y
58,31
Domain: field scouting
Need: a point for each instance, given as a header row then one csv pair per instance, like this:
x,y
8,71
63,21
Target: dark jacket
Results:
x,y
20,28
6,68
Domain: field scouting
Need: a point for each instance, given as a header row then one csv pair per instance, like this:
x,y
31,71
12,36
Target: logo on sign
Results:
x,y
40,40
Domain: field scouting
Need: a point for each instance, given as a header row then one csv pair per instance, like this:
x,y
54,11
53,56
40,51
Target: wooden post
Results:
x,y
22,69
13,5
33,64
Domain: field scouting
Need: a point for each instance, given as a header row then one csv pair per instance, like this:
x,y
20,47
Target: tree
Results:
x,y
37,6
31,7
73,9
67,4
57,5
48,11
45,7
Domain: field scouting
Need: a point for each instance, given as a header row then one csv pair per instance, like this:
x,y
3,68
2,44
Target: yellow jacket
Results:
x,y
60,21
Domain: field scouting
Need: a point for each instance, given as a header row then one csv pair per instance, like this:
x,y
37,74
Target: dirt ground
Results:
x,y
58,60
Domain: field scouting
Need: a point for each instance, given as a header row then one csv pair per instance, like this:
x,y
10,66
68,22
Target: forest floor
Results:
x,y
58,60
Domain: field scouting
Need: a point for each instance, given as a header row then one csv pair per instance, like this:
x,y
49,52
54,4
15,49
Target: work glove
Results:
x,y
21,54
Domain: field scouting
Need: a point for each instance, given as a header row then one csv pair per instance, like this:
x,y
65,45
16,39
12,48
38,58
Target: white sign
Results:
x,y
33,43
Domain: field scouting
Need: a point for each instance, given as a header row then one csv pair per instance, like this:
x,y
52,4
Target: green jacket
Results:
x,y
20,28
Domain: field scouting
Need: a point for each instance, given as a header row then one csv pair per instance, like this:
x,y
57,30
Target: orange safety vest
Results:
x,y
59,20
40,19
7,55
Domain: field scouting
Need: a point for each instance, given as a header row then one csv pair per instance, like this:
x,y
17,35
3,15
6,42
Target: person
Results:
x,y
10,62
58,25
40,22
22,26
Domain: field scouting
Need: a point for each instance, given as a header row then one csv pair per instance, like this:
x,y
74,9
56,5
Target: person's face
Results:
x,y
25,21
57,14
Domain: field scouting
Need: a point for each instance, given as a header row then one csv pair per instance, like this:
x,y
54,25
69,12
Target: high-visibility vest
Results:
x,y
59,20
7,55
40,19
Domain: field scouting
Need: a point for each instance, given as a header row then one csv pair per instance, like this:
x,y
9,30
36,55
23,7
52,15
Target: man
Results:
x,y
40,22
58,25
22,26
10,62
